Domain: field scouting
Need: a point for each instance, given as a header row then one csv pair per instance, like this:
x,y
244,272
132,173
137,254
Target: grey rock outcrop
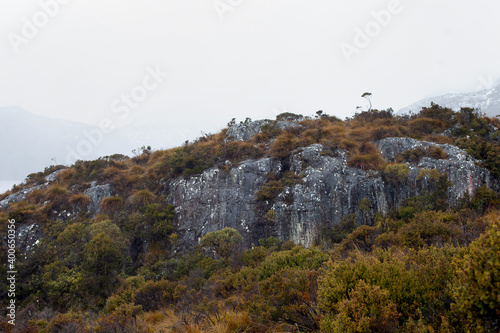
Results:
x,y
53,176
329,191
244,131
96,193
217,199
21,195
28,237
18,196
461,168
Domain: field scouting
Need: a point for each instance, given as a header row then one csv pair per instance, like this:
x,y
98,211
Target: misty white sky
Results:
x,y
260,58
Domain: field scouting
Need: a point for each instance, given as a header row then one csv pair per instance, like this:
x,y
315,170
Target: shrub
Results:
x,y
437,112
223,242
485,198
154,295
476,287
288,116
438,153
428,228
411,278
415,155
102,255
69,322
362,238
80,201
339,231
310,259
283,145
367,309
273,188
395,174
56,193
289,296
111,205
372,161
142,198
425,126
372,115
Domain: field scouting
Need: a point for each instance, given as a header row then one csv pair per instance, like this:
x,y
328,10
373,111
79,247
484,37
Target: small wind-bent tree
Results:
x,y
367,96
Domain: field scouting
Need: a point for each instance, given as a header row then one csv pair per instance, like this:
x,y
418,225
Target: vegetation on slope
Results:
x,y
426,267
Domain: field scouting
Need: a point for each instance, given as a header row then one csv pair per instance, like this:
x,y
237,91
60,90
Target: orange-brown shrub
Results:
x,y
111,205
425,126
142,198
363,161
56,191
79,200
283,146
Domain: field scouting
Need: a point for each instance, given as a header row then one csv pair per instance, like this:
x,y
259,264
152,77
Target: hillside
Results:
x,y
375,223
486,100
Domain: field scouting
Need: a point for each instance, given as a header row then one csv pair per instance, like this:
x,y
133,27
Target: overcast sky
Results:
x,y
232,58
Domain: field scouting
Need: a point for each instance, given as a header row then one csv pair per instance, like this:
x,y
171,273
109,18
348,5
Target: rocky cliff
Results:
x,y
293,198
329,191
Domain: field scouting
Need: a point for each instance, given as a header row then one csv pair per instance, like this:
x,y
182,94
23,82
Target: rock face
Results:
x,y
217,199
460,167
244,131
16,197
96,193
21,195
328,192
321,193
28,236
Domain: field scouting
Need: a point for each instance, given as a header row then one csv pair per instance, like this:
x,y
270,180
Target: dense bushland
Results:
x,y
425,267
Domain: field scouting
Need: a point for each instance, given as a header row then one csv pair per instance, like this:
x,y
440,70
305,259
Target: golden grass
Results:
x,y
142,198
56,192
110,205
229,321
370,161
79,200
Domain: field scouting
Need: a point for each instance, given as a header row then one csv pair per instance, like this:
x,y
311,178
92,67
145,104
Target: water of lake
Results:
x,y
6,185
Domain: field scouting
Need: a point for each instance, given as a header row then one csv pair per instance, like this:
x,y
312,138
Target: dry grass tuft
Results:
x,y
111,205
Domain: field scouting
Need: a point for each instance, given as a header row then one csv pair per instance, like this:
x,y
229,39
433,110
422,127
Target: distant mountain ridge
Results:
x,y
31,142
487,100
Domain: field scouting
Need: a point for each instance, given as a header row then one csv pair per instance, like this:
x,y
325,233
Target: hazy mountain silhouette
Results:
x,y
487,100
31,142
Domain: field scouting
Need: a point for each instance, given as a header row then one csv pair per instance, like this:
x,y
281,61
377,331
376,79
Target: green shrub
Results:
x,y
297,257
289,296
367,309
271,189
476,287
395,174
223,242
411,279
